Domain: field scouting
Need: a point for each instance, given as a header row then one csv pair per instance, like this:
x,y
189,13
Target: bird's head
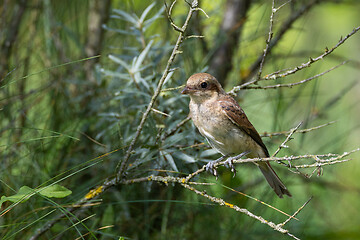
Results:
x,y
202,86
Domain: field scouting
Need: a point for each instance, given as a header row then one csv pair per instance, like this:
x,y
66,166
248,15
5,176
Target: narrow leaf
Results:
x,y
55,191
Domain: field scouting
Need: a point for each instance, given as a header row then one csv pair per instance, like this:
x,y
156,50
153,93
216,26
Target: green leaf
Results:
x,y
167,157
119,61
146,11
55,191
25,192
125,16
139,60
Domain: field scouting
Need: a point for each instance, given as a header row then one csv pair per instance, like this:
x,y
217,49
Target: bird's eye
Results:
x,y
203,84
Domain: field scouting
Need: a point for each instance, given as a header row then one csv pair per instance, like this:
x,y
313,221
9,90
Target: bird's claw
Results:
x,y
210,166
229,164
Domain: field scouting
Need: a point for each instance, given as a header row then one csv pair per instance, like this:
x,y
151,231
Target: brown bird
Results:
x,y
224,124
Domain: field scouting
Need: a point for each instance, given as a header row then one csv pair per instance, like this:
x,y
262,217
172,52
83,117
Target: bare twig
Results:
x,y
265,134
180,124
290,85
318,164
282,145
270,35
296,213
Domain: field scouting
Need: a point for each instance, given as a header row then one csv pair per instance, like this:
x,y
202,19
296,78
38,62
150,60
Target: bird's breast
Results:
x,y
220,132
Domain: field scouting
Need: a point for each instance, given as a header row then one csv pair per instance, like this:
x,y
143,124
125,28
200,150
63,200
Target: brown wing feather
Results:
x,y
234,112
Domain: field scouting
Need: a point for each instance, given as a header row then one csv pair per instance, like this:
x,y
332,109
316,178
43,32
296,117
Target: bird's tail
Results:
x,y
273,179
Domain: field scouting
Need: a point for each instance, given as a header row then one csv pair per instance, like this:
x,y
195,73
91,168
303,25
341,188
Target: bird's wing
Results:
x,y
237,116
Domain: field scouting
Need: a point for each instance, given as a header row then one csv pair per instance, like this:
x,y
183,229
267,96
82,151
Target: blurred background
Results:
x,y
76,77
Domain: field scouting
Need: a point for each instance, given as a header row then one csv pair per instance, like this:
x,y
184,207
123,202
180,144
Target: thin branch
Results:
x,y
221,202
290,85
270,35
179,125
282,145
316,165
168,14
173,89
265,134
296,213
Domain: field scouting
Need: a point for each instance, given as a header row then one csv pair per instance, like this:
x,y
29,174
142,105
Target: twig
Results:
x,y
282,145
122,165
180,124
290,85
265,134
160,112
168,13
261,202
266,49
322,164
221,202
173,89
296,213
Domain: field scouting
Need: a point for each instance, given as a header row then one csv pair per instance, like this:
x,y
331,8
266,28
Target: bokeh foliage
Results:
x,y
56,124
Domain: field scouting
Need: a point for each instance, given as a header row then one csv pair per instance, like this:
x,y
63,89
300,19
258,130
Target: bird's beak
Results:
x,y
186,90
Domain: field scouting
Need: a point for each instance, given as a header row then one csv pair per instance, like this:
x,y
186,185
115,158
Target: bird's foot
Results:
x,y
210,166
229,163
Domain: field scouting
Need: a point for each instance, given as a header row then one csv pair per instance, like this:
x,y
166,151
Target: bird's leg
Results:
x,y
210,166
229,162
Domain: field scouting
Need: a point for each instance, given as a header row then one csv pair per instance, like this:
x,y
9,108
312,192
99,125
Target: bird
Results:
x,y
224,124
